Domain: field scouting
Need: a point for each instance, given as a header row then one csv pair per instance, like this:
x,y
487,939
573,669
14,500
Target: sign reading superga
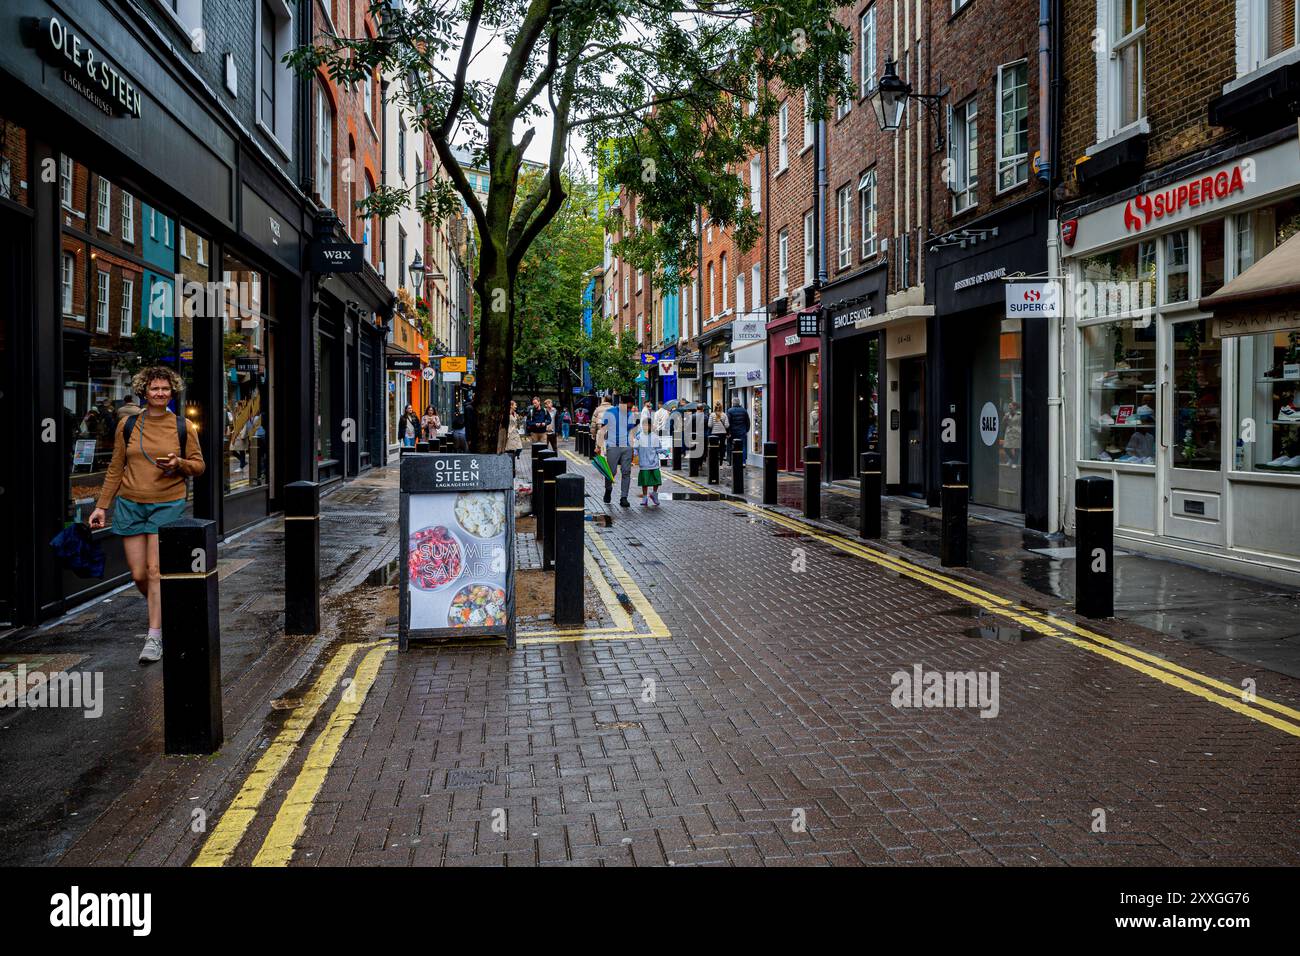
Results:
x,y
1165,203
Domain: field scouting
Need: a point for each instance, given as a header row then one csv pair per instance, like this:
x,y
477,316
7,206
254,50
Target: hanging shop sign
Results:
x,y
84,68
666,367
810,323
649,358
458,530
1027,300
328,257
733,371
454,363
468,378
427,373
748,330
451,376
688,368
403,363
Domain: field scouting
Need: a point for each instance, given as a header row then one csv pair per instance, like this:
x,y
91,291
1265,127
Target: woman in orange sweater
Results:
x,y
148,479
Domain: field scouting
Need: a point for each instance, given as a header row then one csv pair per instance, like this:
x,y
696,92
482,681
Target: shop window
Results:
x,y
1268,401
963,155
1013,125
104,205
1119,282
997,391
13,163
1119,386
249,307
1196,390
867,204
1177,267
1211,240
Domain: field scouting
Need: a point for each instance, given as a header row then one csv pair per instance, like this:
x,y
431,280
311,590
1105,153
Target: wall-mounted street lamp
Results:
x,y
416,269
890,97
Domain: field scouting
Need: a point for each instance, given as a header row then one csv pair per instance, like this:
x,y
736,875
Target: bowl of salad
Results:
x,y
436,558
478,605
481,513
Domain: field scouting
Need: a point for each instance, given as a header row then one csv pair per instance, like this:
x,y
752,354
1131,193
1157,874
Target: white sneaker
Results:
x,y
152,650
1288,413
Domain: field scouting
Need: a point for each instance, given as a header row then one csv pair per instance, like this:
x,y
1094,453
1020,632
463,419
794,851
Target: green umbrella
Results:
x,y
602,466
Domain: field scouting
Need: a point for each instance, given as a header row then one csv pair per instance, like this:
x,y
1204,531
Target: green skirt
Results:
x,y
649,478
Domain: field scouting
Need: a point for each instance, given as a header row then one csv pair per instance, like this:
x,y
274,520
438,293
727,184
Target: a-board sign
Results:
x,y
458,554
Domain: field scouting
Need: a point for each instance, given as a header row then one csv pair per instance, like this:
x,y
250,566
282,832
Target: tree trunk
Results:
x,y
495,357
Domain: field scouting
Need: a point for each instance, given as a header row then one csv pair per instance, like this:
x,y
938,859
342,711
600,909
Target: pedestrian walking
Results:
x,y
718,424
552,433
535,423
565,421
154,452
458,429
660,419
738,427
617,431
430,424
512,443
408,427
645,456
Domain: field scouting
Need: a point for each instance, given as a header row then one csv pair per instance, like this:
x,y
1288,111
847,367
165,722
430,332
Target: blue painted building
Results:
x,y
157,304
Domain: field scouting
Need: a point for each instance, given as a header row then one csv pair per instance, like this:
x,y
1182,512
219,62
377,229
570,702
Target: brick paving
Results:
x,y
771,708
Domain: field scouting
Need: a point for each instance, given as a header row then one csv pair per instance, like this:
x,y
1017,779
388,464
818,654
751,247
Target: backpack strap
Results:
x,y
182,432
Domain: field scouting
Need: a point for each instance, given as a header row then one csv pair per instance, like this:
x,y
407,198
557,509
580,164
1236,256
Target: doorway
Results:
x,y
1191,447
911,458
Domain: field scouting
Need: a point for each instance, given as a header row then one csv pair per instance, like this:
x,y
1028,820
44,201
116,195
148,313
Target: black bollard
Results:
x,y
869,496
1094,546
539,491
446,444
737,466
552,468
769,472
191,622
301,557
537,448
715,458
695,449
812,481
677,449
569,579
954,495
422,447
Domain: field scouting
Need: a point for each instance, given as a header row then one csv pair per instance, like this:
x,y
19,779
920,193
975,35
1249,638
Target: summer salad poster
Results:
x,y
457,560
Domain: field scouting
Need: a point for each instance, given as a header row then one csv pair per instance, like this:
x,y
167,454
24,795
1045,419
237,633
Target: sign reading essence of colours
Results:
x,y
1168,203
84,68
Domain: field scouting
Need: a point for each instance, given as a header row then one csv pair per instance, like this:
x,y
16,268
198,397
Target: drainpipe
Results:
x,y
1048,116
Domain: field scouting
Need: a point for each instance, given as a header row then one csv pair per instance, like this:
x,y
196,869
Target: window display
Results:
x,y
249,304
1268,396
1195,392
1119,282
1119,379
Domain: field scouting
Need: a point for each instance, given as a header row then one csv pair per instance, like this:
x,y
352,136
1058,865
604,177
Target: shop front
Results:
x,y
851,414
714,345
794,377
128,241
1184,359
986,379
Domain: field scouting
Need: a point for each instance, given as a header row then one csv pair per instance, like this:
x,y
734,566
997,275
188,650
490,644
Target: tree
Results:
x,y
664,83
550,342
613,360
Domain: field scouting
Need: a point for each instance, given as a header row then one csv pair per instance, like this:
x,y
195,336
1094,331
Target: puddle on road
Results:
x,y
991,627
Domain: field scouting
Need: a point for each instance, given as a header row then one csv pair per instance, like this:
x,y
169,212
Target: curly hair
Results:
x,y
140,383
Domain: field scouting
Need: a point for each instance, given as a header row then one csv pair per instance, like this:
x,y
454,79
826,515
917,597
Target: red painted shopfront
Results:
x,y
795,377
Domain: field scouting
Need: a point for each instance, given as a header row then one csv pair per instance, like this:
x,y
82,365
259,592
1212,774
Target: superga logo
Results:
x,y
1144,207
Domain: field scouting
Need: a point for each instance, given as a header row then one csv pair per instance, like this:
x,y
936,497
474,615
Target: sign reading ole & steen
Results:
x,y
85,69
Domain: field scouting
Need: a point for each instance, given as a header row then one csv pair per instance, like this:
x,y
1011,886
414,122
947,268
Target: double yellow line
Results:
x,y
291,819
1167,672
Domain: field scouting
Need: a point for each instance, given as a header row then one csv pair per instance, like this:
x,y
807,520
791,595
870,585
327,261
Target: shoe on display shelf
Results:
x,y
1105,420
1288,413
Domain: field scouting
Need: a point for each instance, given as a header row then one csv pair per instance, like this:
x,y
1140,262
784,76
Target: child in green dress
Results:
x,y
645,450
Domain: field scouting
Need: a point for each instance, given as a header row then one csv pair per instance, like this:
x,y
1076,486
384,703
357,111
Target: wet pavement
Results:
x,y
62,769
1246,620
